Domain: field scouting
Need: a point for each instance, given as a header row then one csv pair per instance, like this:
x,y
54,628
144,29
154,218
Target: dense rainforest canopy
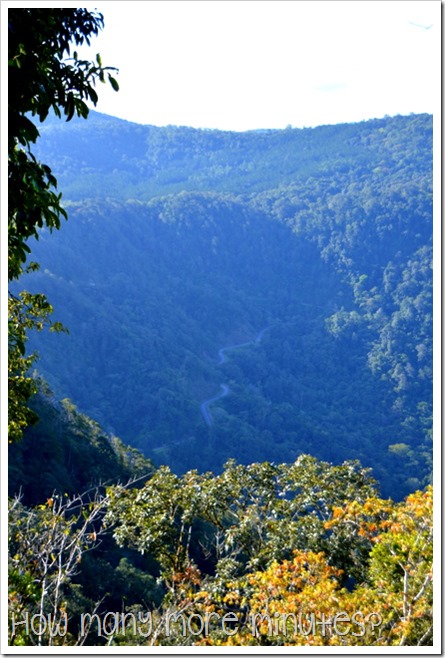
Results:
x,y
328,252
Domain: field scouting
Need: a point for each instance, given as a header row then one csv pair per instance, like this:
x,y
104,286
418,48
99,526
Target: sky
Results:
x,y
252,64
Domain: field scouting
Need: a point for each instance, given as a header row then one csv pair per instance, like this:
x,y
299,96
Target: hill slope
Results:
x,y
319,237
109,157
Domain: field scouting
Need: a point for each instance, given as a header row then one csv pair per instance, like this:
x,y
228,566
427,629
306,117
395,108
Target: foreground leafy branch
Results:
x,y
46,546
42,77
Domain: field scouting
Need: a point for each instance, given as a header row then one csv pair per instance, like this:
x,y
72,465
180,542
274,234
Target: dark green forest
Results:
x,y
321,237
247,369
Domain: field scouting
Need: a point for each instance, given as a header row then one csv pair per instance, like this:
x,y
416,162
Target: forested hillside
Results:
x,y
106,156
246,295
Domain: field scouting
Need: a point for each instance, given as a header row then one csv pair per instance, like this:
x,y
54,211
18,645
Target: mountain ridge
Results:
x,y
141,162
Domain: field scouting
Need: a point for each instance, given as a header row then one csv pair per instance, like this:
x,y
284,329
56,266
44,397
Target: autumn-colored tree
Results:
x,y
308,537
302,602
401,570
295,602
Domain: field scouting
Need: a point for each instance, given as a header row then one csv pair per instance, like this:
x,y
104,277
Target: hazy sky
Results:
x,y
246,64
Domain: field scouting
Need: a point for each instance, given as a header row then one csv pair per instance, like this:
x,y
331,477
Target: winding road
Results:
x,y
223,350
204,406
225,390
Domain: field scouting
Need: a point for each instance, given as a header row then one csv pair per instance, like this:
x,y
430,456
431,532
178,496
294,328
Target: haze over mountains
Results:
x,y
303,257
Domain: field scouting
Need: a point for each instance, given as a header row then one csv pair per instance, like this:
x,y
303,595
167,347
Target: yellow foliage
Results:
x,y
301,601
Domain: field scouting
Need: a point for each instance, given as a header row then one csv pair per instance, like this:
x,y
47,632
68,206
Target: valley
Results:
x,y
163,297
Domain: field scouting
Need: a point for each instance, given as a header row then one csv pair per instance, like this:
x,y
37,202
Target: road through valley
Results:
x,y
225,390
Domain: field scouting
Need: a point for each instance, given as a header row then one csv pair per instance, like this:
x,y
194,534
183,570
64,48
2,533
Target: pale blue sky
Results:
x,y
247,64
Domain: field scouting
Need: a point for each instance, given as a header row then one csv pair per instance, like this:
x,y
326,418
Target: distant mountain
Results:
x,y
303,256
109,157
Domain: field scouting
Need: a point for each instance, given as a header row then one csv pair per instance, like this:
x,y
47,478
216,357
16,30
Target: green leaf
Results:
x,y
113,82
93,95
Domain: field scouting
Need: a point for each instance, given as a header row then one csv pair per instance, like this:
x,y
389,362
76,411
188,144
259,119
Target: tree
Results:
x,y
25,311
240,520
297,554
401,570
301,601
46,546
42,77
